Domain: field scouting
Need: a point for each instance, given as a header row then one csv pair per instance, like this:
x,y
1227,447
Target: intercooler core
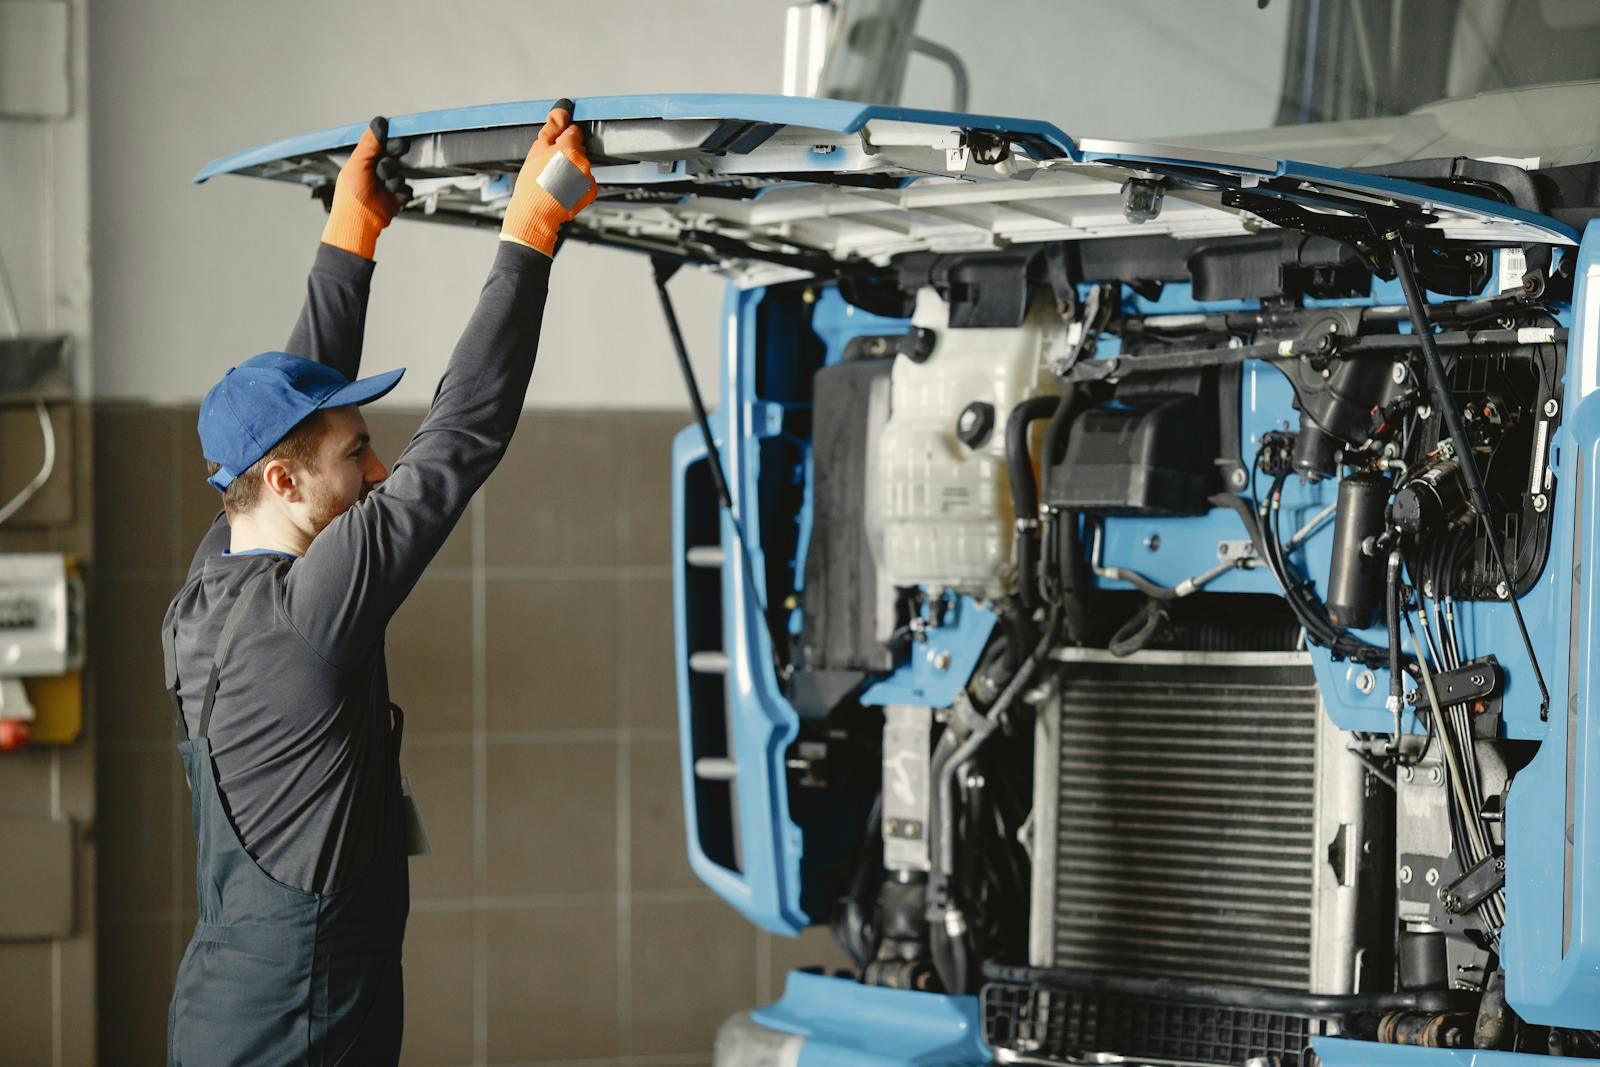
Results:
x,y
1196,818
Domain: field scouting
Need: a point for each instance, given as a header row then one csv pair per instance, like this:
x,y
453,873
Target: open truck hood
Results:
x,y
762,188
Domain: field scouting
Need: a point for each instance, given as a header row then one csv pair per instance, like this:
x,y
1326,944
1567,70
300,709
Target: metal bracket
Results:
x,y
1471,684
1482,880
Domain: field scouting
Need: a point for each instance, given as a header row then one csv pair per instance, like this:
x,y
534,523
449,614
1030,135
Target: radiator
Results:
x,y
1196,817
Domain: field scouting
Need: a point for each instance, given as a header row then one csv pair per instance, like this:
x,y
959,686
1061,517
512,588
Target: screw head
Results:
x,y
1405,875
1432,876
1435,775
1366,682
1240,477
1406,774
1551,406
1503,591
941,660
1153,542
1399,373
1540,502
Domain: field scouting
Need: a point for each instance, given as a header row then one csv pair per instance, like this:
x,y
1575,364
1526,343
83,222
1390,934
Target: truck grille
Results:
x,y
1185,821
1051,1024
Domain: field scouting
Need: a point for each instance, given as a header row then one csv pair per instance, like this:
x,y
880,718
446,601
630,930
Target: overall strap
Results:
x,y
230,626
169,656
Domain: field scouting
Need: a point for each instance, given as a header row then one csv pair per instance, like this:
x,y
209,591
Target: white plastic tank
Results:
x,y
944,509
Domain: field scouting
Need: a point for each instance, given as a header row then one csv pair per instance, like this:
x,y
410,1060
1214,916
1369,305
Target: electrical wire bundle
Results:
x,y
1433,574
1299,592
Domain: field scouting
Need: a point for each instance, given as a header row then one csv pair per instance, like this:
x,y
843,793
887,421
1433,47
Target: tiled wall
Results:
x,y
557,918
47,987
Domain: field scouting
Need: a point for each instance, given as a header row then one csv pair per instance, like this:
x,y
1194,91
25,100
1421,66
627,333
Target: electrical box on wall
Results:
x,y
41,649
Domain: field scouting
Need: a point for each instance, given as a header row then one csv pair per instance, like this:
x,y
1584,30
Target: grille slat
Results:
x,y
1184,825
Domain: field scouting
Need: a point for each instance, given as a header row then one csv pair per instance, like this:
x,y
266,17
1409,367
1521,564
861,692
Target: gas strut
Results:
x,y
664,269
1458,438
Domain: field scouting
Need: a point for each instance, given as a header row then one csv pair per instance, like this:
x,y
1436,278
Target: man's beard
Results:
x,y
327,506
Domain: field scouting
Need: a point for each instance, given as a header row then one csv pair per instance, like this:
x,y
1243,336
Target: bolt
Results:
x,y
1478,680
891,826
1399,373
941,660
1405,875
1406,774
1551,407
1326,373
1153,542
1435,775
1540,502
1240,477
1503,591
1366,682
1432,877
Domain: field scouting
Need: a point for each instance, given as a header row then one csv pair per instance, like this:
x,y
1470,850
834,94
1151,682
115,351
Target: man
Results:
x,y
274,645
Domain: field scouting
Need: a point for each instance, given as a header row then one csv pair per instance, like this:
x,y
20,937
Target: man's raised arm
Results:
x,y
367,195
361,567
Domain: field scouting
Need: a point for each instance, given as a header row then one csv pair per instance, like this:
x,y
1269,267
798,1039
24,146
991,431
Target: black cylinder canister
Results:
x,y
1355,579
1432,498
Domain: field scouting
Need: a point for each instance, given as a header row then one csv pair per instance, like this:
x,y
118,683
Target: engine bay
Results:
x,y
1151,607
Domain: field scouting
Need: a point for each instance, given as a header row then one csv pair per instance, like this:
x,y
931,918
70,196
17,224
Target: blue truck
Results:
x,y
1137,595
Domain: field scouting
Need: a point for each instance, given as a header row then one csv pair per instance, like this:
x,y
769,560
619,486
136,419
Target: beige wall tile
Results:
x,y
135,487
134,832
124,654
659,857
438,970
552,653
25,990
705,938
441,781
136,974
552,984
553,498
552,818
429,651
644,485
647,679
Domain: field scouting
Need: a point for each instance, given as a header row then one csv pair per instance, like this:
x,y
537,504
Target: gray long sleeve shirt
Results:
x,y
300,727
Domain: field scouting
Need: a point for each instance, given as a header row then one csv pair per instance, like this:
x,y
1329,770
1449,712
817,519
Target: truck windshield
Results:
x,y
1164,70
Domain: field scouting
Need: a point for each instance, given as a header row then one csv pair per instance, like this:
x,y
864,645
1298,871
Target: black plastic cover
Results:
x,y
1151,460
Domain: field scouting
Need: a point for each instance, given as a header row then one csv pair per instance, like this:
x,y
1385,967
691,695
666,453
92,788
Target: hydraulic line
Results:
x,y
1445,400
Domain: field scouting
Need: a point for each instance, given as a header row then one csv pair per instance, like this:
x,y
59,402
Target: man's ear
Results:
x,y
280,481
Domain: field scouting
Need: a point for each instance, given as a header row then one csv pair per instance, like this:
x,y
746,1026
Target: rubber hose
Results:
x,y
1074,399
1025,491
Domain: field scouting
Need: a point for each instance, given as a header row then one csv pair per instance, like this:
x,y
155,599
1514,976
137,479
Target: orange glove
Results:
x,y
369,193
554,185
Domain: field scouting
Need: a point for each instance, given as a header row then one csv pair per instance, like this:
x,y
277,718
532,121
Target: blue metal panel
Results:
x,y
841,116
851,1025
1343,1052
957,644
1551,944
762,723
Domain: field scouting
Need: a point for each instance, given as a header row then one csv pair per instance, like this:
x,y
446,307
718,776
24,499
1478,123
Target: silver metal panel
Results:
x,y
907,733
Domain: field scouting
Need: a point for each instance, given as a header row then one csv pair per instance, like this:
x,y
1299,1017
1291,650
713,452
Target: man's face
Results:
x,y
345,471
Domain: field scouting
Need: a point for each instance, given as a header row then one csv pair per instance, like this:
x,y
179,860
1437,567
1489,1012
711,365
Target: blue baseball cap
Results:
x,y
257,403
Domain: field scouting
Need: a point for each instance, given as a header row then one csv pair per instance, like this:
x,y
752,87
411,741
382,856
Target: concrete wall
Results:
x,y
47,986
194,278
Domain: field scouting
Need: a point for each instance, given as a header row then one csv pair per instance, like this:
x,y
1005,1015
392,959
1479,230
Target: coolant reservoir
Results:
x,y
944,508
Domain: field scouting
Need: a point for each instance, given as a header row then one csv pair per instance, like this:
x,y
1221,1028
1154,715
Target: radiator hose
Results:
x,y
948,927
1025,491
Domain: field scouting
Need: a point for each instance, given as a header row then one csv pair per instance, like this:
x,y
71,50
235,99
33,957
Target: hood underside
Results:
x,y
762,188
